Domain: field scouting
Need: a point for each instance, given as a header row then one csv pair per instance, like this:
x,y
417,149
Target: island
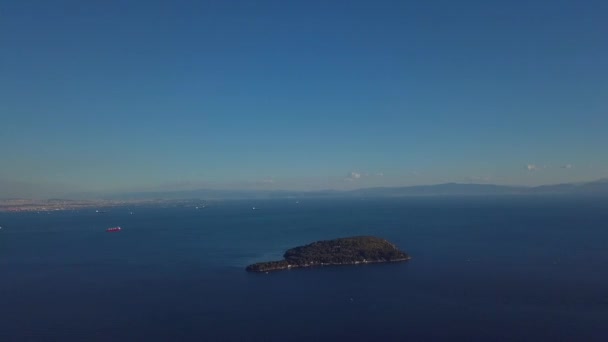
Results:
x,y
343,251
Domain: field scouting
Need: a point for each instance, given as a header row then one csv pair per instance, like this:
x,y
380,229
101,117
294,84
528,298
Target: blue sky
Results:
x,y
135,95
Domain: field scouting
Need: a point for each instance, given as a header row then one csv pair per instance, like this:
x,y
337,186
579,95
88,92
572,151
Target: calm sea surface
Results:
x,y
483,269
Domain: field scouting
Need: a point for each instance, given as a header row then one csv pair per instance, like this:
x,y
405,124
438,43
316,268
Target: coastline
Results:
x,y
259,267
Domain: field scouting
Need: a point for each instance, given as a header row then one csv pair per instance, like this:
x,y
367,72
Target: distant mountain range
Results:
x,y
597,188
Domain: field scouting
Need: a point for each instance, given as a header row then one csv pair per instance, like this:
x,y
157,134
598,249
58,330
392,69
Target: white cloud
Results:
x,y
353,176
532,167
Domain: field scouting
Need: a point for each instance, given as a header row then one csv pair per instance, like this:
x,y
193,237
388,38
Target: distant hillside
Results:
x,y
595,188
447,189
598,187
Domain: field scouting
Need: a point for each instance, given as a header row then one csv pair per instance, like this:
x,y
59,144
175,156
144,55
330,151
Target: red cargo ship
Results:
x,y
114,229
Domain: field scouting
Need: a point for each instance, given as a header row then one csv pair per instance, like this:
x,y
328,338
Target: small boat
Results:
x,y
254,208
113,229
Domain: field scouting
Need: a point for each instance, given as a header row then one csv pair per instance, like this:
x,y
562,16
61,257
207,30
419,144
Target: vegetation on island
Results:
x,y
343,251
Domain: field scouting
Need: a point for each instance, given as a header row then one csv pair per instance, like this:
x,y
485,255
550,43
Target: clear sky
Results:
x,y
135,95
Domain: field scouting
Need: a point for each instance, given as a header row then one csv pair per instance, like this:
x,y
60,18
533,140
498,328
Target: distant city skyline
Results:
x,y
108,96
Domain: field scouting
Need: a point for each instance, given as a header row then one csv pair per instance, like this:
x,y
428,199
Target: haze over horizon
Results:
x,y
107,96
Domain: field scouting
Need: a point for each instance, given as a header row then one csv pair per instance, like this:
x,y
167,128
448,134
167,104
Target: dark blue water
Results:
x,y
509,269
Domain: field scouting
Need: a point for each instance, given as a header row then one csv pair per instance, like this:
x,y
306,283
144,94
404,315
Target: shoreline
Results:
x,y
251,268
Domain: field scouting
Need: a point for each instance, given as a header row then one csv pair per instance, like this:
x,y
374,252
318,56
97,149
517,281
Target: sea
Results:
x,y
482,269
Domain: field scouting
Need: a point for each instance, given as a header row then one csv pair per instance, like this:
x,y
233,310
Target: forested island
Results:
x,y
343,251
